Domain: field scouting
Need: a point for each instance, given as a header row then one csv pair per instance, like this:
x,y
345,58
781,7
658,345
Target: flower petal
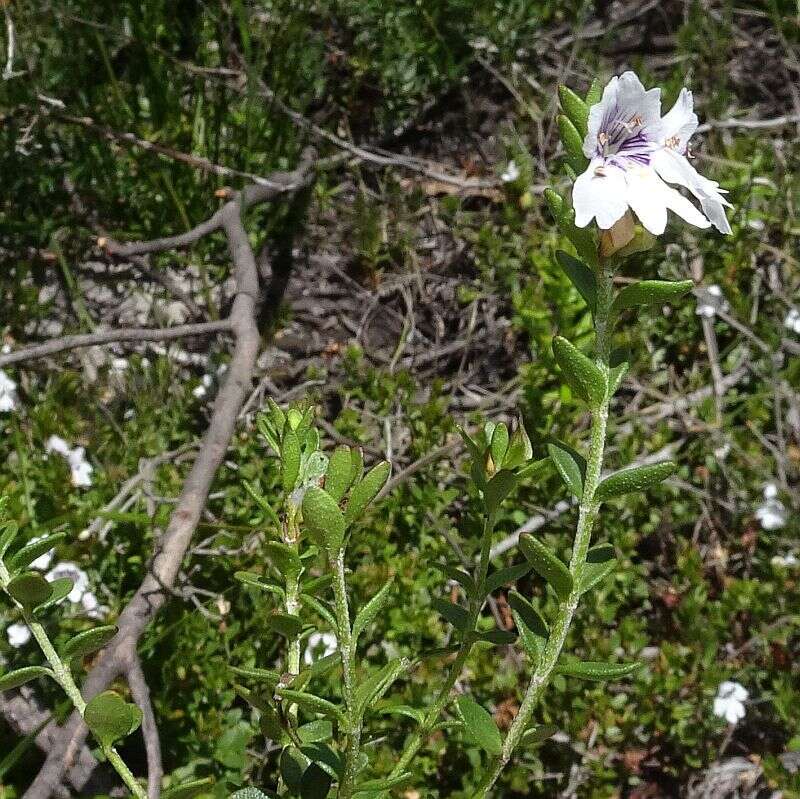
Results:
x,y
650,198
675,168
599,192
597,113
680,122
634,100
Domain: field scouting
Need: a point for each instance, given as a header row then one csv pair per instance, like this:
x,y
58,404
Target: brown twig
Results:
x,y
152,744
119,657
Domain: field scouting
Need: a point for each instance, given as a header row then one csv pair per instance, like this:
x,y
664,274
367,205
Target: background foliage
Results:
x,y
395,266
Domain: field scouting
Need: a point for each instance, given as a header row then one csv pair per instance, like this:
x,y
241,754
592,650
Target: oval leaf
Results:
x,y
340,474
110,717
284,559
313,704
573,143
59,589
25,556
583,376
508,575
575,108
188,790
499,444
455,614
568,469
322,517
369,612
596,670
286,624
30,589
315,783
290,459
13,679
88,641
581,277
479,726
366,490
600,562
498,488
650,292
547,565
636,478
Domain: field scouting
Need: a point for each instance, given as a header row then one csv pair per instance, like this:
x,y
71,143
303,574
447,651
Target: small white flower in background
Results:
x,y
43,561
119,365
205,384
771,513
785,561
18,634
8,390
319,645
511,174
79,578
634,153
792,321
729,701
711,301
80,468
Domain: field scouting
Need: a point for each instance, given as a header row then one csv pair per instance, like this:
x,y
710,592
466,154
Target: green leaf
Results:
x,y
459,576
568,469
600,562
13,679
315,731
635,478
595,670
649,292
581,277
536,734
616,375
340,474
285,560
271,678
595,94
415,713
519,449
573,144
25,556
30,589
582,238
547,565
324,520
581,373
575,108
320,607
366,490
292,766
498,488
88,641
59,589
245,793
369,612
255,581
110,717
455,614
285,624
188,790
531,626
325,757
496,637
378,683
315,783
312,704
508,575
10,530
499,444
290,459
479,726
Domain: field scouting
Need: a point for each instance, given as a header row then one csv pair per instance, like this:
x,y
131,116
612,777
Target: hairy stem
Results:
x,y
63,677
456,667
347,652
588,511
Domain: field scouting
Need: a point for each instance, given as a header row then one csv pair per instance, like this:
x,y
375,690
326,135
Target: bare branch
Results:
x,y
141,695
111,336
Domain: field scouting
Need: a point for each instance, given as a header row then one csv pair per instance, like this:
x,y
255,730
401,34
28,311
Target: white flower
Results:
x,y
205,383
771,513
119,365
792,320
784,561
79,578
80,468
634,153
511,174
18,635
711,301
8,390
319,641
728,704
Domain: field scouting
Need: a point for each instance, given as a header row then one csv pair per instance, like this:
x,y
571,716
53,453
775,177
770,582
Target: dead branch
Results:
x,y
119,658
152,744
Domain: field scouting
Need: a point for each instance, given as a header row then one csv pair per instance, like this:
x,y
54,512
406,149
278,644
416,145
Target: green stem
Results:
x,y
587,515
292,604
456,667
63,677
348,655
